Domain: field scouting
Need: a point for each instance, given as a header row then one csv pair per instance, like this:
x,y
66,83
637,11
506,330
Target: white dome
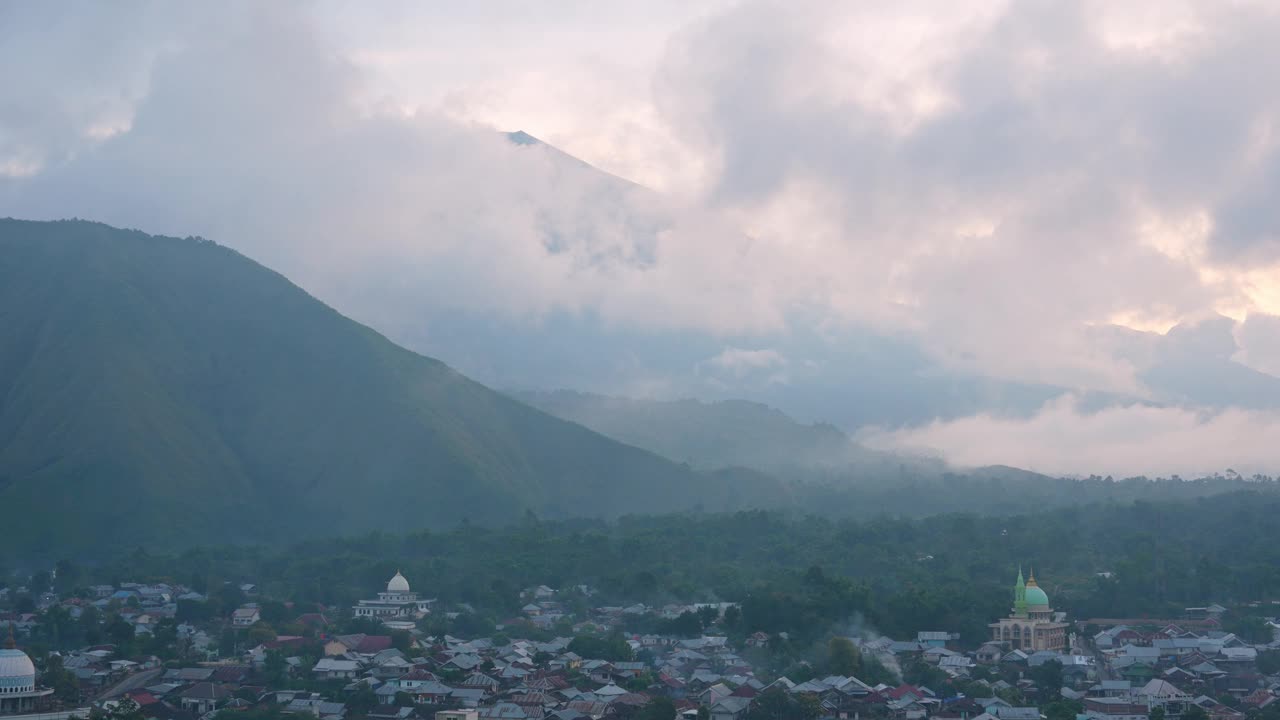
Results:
x,y
16,671
398,584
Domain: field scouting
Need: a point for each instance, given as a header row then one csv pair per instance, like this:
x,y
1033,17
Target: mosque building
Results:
x,y
1033,625
397,602
19,693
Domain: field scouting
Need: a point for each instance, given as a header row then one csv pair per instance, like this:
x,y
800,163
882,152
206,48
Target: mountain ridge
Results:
x,y
178,381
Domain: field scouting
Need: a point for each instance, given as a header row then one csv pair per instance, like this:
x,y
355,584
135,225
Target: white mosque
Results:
x,y
397,602
19,693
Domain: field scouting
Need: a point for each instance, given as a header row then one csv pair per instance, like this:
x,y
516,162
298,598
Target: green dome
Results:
x,y
1036,596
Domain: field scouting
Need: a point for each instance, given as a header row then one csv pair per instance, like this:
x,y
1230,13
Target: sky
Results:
x,y
1033,233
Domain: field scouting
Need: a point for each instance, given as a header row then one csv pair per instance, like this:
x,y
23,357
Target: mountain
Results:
x,y
171,391
726,433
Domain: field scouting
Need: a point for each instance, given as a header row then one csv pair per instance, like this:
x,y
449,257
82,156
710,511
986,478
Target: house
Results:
x,y
330,710
502,711
357,643
730,708
932,638
334,669
466,662
245,616
1017,713
457,715
1115,637
203,697
188,675
1111,688
480,681
315,621
1115,708
989,653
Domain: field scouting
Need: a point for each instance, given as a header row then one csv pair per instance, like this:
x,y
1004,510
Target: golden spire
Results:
x,y
10,644
1031,577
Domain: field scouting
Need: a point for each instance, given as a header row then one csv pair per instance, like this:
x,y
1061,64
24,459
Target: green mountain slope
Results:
x,y
726,433
158,390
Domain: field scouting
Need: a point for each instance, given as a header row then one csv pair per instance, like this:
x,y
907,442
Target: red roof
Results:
x,y
903,690
142,697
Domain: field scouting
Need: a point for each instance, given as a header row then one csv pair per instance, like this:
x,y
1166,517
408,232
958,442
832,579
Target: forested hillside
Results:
x,y
726,433
168,391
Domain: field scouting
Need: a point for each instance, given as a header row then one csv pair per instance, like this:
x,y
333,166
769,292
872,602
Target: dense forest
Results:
x,y
797,573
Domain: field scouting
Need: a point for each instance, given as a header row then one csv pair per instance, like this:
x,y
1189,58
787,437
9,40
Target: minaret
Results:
x,y
1020,596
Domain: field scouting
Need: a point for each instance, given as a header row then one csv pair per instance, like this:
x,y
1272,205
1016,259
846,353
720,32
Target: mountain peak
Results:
x,y
520,137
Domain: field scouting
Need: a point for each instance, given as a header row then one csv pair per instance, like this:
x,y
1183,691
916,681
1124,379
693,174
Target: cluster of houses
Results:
x,y
1177,665
1122,672
141,605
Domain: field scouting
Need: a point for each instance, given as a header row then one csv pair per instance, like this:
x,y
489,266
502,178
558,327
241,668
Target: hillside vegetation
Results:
x,y
171,391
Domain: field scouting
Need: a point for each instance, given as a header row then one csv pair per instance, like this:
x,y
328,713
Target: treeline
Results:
x,y
912,491
791,573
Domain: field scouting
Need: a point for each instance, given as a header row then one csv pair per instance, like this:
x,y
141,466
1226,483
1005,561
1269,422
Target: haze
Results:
x,y
1035,233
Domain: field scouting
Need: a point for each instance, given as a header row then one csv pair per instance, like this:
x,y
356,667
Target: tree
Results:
x,y
259,634
193,611
273,611
120,631
227,643
843,657
126,709
361,700
1269,662
918,672
707,615
275,668
1048,679
1251,629
686,625
402,641
659,708
1157,713
874,672
91,625
613,648
732,617
1195,712
64,683
1063,710
777,704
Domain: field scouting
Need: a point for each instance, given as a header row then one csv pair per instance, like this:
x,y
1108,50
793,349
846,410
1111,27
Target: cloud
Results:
x,y
998,181
738,359
1259,339
257,133
995,183
1064,439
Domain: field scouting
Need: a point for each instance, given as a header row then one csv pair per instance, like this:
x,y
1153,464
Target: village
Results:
x,y
572,659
